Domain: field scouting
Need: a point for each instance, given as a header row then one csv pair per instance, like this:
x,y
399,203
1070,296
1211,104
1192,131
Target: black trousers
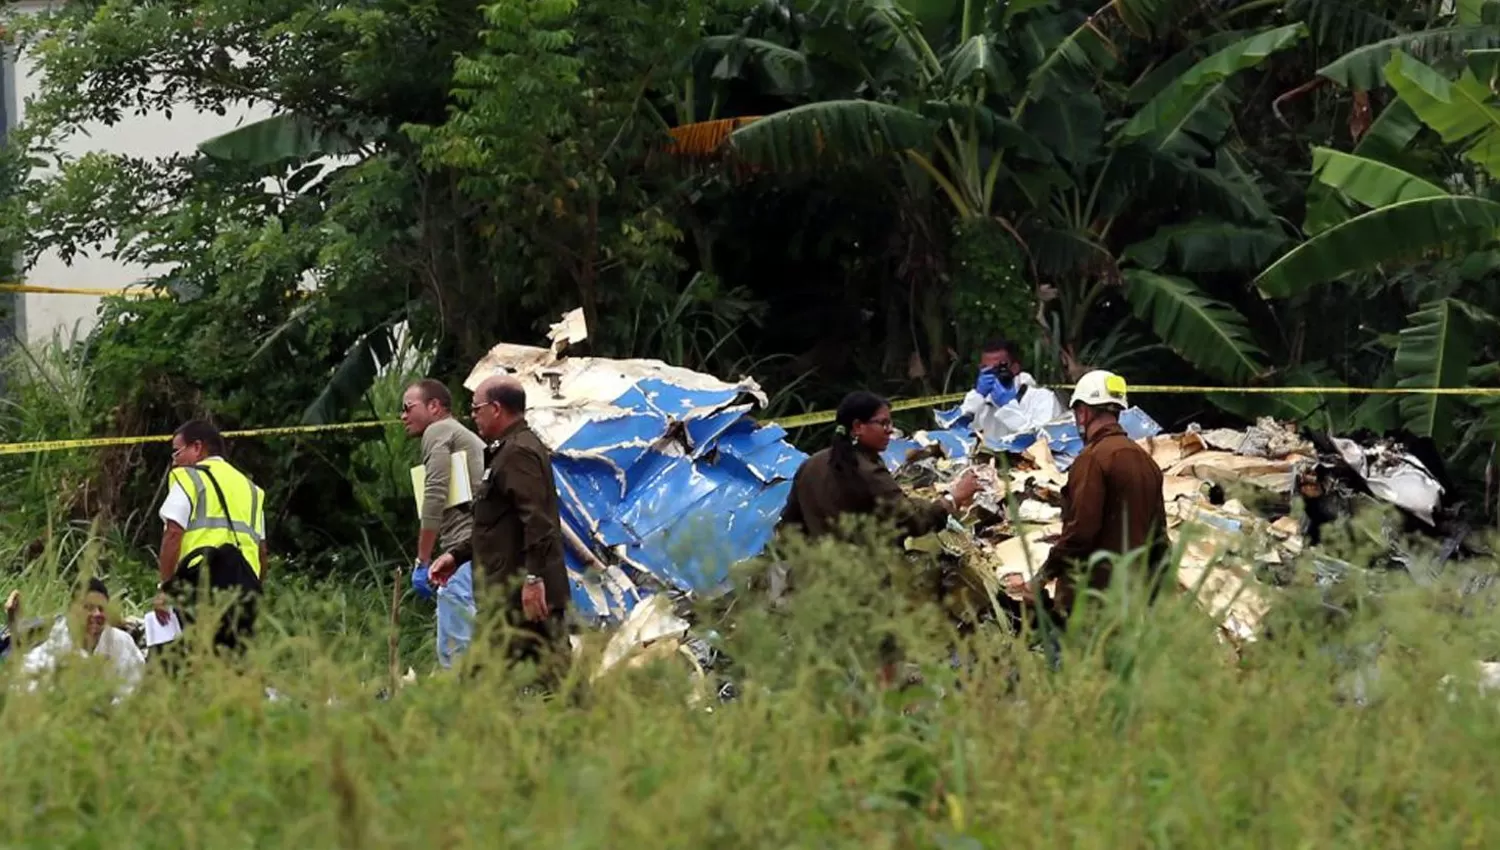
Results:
x,y
520,641
227,572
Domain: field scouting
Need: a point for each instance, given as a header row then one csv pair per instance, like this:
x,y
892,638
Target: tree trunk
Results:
x,y
588,270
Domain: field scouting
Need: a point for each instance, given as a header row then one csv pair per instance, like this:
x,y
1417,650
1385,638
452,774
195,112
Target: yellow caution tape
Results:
x,y
137,292
104,442
824,417
1154,389
142,290
788,422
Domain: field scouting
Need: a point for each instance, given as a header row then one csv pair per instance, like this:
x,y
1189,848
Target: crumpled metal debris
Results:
x,y
1267,438
1229,495
664,479
1402,480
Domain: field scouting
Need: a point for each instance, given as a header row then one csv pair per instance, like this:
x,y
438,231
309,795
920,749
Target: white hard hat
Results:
x,y
1099,388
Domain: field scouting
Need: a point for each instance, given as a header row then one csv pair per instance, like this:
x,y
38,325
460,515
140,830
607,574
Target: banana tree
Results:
x,y
1375,216
931,107
1010,128
305,159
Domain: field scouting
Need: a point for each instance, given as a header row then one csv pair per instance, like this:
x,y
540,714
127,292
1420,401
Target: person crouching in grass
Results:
x,y
83,632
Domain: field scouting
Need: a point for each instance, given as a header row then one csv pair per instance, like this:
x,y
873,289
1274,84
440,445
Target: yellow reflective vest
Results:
x,y
239,520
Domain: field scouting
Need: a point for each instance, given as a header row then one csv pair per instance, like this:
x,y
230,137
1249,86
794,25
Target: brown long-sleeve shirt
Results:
x,y
1111,503
821,494
517,529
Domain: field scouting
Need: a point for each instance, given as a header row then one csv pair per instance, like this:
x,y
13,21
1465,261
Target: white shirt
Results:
x,y
1038,406
126,658
158,634
176,507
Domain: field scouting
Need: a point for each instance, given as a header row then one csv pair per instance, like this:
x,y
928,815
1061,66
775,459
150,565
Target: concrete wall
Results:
x,y
39,317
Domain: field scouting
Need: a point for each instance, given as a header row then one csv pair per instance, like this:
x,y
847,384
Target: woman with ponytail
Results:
x,y
849,478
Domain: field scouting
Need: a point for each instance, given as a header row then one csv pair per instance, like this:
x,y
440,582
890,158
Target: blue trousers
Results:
x,y
455,615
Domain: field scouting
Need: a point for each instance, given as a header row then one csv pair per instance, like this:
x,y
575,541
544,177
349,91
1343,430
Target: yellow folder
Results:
x,y
460,487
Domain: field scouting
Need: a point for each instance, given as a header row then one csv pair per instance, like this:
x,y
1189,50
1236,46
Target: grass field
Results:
x,y
1151,734
1337,733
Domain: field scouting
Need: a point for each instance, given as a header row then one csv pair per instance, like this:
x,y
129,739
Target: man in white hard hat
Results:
x,y
1113,499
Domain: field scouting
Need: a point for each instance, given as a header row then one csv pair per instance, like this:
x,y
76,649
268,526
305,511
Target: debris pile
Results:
x,y
663,478
666,481
1231,499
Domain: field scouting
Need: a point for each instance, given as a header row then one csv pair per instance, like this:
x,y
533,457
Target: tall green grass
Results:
x,y
1360,728
50,543
1149,734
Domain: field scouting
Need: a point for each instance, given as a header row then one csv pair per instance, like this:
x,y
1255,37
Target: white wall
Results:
x,y
40,316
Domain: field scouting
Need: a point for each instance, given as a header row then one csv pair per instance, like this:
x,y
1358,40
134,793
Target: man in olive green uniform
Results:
x,y
516,543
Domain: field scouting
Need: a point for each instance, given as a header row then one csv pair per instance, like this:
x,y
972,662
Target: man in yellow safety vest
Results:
x,y
214,520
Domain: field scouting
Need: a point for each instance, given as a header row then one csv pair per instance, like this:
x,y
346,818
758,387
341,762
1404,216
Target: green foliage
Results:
x,y
1363,68
1370,182
1435,350
279,138
381,465
1405,231
1384,142
47,397
991,290
830,132
1461,112
1207,333
1206,245
544,143
1181,108
1146,706
1128,174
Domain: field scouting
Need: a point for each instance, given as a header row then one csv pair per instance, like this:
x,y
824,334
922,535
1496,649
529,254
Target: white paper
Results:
x,y
158,633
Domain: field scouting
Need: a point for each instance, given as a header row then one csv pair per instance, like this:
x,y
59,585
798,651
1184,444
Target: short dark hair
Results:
x,y
201,431
1005,345
510,396
434,390
97,586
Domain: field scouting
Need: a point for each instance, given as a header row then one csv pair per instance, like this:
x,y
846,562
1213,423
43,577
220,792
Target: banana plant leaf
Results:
x,y
1462,111
830,132
1423,228
1209,334
1435,350
1363,68
1181,106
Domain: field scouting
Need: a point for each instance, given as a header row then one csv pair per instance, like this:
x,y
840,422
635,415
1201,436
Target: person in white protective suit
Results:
x,y
1006,400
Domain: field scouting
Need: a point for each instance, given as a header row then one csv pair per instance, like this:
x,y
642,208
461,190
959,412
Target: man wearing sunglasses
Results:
x,y
452,461
517,543
214,520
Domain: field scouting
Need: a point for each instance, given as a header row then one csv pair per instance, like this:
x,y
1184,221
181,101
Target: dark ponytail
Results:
x,y
858,406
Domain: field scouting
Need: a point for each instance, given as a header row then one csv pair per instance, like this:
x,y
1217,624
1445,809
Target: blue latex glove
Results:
x,y
1002,395
419,581
987,383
